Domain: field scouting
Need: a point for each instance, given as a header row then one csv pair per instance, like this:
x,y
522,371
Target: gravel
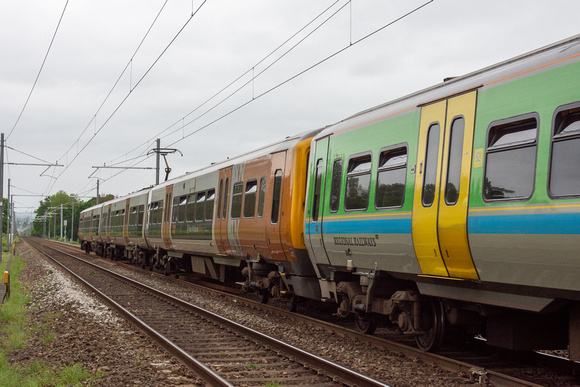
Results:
x,y
89,333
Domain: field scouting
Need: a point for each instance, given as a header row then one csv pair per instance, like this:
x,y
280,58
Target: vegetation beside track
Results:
x,y
16,333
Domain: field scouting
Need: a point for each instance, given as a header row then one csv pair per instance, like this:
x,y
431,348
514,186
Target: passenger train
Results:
x,y
453,209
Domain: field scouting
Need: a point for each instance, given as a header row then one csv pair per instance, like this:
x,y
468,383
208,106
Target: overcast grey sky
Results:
x,y
96,42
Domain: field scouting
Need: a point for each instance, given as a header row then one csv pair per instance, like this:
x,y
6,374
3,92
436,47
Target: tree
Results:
x,y
49,213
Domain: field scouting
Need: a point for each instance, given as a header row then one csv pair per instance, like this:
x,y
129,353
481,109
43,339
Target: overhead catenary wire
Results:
x,y
255,97
351,44
39,72
182,119
127,95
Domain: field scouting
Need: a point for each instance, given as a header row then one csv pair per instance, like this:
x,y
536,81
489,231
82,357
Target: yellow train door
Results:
x,y
442,180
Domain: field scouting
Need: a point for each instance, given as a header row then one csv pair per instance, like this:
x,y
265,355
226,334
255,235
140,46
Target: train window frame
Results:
x,y
335,185
220,193
382,167
318,172
209,203
558,137
140,214
250,196
236,207
262,196
429,160
200,197
458,165
225,202
182,208
190,209
511,125
354,171
175,210
276,196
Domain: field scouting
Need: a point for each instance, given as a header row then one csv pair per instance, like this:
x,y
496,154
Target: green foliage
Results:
x,y
49,208
252,366
14,333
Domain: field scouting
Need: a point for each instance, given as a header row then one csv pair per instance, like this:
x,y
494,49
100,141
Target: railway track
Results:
x,y
477,365
220,351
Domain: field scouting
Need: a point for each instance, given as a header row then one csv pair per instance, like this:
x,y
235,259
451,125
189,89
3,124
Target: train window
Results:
x,y
141,210
431,156
358,183
317,187
454,161
262,197
175,214
160,212
220,193
250,198
391,178
190,211
276,196
209,203
511,159
199,206
237,200
335,185
182,208
226,190
565,158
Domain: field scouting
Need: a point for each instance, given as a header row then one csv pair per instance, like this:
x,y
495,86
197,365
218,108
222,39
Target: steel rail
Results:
x,y
204,372
476,374
335,371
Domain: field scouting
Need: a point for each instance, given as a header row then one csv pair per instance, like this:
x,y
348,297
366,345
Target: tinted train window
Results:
x,y
199,206
391,178
358,182
141,210
335,185
565,155
511,159
221,191
175,214
262,197
276,196
190,208
430,176
237,200
454,161
250,198
209,203
317,184
226,190
182,208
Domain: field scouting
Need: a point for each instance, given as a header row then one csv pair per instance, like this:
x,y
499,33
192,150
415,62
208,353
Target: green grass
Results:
x,y
15,333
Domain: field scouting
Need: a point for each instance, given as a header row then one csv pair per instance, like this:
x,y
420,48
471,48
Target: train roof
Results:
x,y
556,54
287,143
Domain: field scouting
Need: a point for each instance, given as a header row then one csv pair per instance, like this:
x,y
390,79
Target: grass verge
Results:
x,y
15,333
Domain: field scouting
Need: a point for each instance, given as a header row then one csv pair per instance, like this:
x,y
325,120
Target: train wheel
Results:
x,y
262,295
365,324
433,320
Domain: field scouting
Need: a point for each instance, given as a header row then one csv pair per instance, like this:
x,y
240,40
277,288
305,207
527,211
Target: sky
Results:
x,y
215,79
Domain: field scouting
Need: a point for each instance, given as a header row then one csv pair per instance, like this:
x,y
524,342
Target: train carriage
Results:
x,y
458,206
244,212
89,221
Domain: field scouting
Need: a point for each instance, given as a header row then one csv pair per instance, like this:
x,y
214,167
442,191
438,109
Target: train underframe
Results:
x,y
383,300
